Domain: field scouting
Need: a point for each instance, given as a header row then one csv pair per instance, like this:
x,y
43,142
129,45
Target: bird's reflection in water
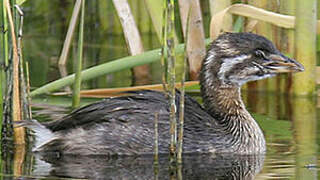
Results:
x,y
142,167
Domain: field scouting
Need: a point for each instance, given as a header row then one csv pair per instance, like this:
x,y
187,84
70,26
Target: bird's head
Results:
x,y
236,58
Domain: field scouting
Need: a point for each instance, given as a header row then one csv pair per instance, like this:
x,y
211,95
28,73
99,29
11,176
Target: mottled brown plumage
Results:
x,y
124,125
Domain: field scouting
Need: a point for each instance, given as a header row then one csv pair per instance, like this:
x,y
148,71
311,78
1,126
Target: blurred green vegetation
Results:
x,y
46,23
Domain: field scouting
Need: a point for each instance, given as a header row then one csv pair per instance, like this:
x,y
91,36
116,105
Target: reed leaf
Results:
x,y
20,2
218,5
102,69
106,68
285,21
109,92
280,20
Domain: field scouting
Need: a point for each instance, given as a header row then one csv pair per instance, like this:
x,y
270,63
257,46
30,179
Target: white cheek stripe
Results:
x,y
229,63
240,82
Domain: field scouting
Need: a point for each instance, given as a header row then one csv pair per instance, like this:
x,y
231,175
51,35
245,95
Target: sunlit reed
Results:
x,y
26,114
156,139
164,48
28,90
305,46
182,94
171,79
19,133
77,83
5,53
71,28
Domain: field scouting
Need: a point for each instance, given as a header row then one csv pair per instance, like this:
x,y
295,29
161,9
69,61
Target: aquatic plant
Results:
x,y
77,83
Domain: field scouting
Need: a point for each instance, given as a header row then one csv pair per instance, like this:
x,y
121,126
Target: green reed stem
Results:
x,y
182,95
5,36
28,89
5,60
19,133
164,47
77,84
107,68
1,100
71,28
156,139
171,79
305,47
23,88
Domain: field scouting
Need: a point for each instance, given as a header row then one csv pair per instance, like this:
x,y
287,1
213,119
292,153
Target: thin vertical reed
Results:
x,y
181,107
28,89
1,99
5,36
77,83
4,62
179,172
67,41
154,9
171,81
287,41
133,39
19,160
305,46
305,116
196,44
156,139
164,47
23,89
19,133
156,171
15,16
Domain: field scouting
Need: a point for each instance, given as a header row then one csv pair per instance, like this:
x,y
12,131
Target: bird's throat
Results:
x,y
222,101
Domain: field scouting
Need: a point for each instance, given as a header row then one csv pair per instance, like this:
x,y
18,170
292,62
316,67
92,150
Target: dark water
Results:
x,y
289,124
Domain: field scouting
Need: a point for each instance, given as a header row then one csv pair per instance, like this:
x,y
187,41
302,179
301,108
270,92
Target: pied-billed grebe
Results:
x,y
125,125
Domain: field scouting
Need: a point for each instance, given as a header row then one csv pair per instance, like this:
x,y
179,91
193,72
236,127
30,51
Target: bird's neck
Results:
x,y
223,102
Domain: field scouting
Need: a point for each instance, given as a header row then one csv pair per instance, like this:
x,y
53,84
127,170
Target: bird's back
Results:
x,y
125,125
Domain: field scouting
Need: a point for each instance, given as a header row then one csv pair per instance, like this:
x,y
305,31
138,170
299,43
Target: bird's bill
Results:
x,y
278,63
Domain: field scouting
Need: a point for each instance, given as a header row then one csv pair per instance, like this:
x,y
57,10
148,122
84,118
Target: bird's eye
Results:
x,y
260,53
